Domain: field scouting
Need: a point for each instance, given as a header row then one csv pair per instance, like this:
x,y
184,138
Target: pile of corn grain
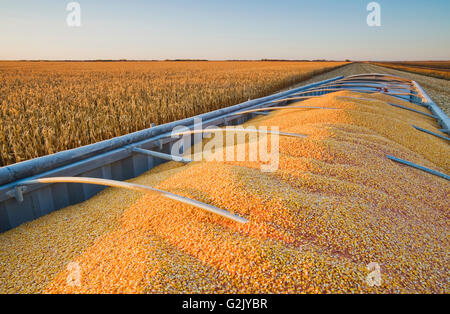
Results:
x,y
335,205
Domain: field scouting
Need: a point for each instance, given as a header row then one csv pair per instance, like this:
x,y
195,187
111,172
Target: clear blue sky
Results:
x,y
225,29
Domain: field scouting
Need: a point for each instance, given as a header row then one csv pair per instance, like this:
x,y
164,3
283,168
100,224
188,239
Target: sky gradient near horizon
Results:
x,y
231,29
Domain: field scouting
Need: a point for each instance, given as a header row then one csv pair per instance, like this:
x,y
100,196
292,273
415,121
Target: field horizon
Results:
x,y
221,60
224,154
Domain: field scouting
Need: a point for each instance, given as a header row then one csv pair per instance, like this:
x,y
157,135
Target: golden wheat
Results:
x,y
433,69
46,107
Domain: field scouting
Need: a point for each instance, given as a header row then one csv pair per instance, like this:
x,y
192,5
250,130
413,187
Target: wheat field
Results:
x,y
47,107
437,69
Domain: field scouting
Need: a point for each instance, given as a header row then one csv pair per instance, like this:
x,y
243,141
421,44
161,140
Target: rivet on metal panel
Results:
x,y
17,193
